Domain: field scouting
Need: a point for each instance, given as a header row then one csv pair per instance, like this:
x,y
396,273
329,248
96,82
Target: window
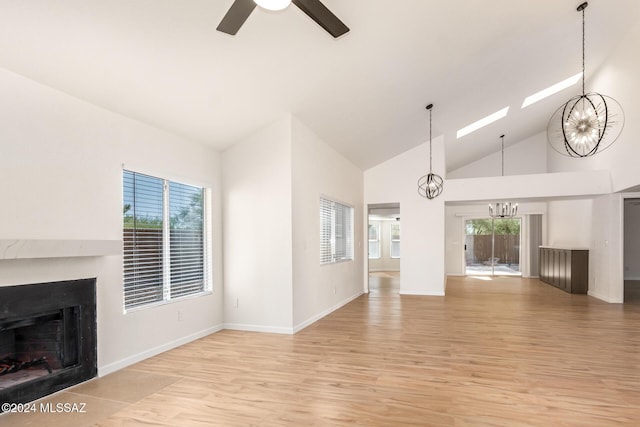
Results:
x,y
374,241
164,240
336,231
395,240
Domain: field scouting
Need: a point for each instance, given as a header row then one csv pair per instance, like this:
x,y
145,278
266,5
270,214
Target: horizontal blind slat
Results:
x,y
336,231
142,239
186,205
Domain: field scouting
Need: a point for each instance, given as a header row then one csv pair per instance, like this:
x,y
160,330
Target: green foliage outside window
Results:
x,y
502,226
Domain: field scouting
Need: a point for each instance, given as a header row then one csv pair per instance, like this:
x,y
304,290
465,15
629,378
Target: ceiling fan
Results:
x,y
241,9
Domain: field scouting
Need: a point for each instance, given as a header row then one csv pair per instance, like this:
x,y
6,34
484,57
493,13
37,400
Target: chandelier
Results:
x,y
503,209
586,124
430,185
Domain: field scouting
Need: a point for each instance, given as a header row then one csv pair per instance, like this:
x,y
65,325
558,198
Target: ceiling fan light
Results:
x,y
273,4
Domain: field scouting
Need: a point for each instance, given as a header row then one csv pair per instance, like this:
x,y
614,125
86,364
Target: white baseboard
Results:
x,y
423,293
376,270
330,310
131,360
128,361
259,328
455,275
603,298
285,330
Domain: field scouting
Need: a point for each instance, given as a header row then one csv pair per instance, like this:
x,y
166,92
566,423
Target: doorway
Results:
x,y
492,246
384,239
631,249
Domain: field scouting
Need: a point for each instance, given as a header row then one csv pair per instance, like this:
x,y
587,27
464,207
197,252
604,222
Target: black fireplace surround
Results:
x,y
47,338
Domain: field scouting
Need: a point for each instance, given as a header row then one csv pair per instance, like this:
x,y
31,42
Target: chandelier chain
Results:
x,y
502,138
430,150
583,41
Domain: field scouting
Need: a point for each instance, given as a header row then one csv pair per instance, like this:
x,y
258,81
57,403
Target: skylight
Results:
x,y
482,122
551,90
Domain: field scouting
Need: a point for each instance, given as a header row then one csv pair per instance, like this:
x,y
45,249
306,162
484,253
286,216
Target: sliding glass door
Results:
x,y
492,246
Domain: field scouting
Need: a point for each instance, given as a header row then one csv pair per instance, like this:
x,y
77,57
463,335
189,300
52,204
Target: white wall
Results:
x,y
385,262
257,204
617,78
570,223
319,170
632,240
606,279
518,187
525,157
272,183
422,261
61,167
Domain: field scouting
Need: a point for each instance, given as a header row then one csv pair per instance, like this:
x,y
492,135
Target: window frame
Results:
x,y
167,285
392,240
332,206
377,240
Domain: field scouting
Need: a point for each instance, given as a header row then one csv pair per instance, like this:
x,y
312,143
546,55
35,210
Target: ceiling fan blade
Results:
x,y
236,15
323,16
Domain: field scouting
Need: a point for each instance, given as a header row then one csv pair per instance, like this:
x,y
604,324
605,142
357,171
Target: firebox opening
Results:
x,y
48,338
37,346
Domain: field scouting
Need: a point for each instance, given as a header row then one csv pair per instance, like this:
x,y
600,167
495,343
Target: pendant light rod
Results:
x,y
581,8
503,209
502,138
429,107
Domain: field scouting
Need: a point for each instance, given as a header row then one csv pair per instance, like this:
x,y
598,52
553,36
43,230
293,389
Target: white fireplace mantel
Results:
x,y
29,249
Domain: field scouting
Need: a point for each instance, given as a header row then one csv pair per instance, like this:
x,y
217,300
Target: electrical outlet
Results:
x,y
334,290
237,302
180,317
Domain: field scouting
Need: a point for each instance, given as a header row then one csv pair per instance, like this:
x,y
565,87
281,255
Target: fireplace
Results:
x,y
47,338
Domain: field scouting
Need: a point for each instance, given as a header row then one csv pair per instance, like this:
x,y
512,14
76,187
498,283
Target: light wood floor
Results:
x,y
504,352
384,283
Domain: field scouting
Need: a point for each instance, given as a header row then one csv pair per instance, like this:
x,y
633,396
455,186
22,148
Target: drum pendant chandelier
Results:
x,y
430,185
586,124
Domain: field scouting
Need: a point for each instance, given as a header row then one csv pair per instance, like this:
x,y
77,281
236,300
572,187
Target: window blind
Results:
x,y
186,237
163,239
326,230
336,231
143,239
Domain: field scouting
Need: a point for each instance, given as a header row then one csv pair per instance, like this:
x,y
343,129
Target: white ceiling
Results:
x,y
162,62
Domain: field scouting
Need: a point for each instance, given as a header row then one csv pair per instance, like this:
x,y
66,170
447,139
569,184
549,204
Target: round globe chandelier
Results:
x,y
586,124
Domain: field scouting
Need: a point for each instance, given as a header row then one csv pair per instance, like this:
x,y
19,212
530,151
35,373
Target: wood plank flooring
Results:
x,y
500,352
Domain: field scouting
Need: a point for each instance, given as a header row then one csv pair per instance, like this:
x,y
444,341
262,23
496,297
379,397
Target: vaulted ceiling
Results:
x,y
163,62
